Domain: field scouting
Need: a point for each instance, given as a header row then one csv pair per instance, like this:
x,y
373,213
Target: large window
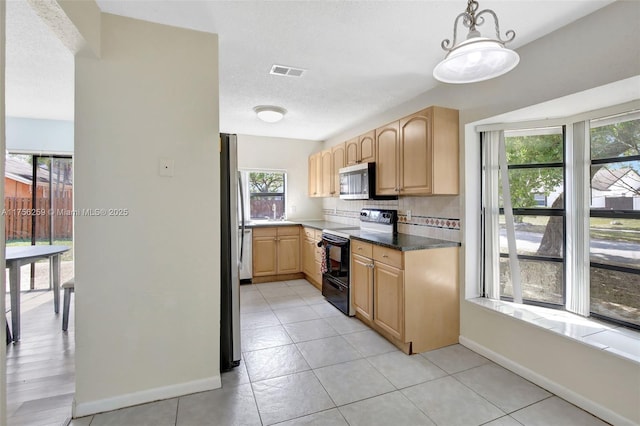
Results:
x,y
615,217
562,216
266,194
534,160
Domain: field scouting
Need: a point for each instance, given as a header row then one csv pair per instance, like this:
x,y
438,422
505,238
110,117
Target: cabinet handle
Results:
x,y
384,255
359,248
371,265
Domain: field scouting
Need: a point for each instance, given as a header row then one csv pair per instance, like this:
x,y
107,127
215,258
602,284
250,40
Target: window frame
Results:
x,y
577,207
531,211
245,174
610,214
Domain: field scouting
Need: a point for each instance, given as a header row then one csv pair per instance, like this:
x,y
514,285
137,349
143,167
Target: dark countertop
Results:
x,y
402,242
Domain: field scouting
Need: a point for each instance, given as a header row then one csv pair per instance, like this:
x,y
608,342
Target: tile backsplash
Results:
x,y
435,217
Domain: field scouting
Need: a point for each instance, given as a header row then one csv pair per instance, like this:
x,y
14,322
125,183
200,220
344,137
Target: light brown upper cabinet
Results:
x,y
326,173
361,149
315,168
338,157
387,143
418,155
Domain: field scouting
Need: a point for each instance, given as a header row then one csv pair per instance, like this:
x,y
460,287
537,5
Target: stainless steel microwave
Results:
x,y
358,182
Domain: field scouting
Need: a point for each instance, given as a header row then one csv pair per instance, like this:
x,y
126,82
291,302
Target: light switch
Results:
x,y
165,167
408,214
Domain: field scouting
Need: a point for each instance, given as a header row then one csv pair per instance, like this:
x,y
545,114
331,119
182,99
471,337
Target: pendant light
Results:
x,y
477,58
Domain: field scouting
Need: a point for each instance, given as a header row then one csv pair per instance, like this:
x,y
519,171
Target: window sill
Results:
x,y
620,341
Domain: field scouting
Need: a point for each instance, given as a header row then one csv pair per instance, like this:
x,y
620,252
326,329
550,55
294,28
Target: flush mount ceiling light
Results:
x,y
477,58
269,113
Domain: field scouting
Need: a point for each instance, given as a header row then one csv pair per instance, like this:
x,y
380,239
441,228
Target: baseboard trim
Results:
x,y
548,384
145,396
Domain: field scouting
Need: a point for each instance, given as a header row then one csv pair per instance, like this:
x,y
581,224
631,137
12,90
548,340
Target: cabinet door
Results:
x,y
264,255
352,152
313,175
387,139
288,254
338,156
416,154
326,174
367,146
388,297
308,256
362,285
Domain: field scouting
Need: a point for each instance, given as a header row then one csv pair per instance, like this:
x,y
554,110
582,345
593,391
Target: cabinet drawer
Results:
x,y
264,232
288,230
388,256
362,248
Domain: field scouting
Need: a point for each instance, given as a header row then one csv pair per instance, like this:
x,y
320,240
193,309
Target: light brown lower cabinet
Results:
x,y
362,286
388,299
411,298
312,256
276,251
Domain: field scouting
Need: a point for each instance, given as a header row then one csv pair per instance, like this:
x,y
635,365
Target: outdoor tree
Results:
x,y
524,184
266,191
261,182
618,140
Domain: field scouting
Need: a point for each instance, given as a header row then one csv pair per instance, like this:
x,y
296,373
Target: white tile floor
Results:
x,y
305,363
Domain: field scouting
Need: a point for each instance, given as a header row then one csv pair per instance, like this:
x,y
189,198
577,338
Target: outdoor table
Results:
x,y
15,257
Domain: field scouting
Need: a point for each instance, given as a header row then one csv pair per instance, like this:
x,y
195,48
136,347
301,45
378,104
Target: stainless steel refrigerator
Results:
x,y
232,225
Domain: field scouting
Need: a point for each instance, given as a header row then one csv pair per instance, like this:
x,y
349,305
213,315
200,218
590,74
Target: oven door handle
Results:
x,y
336,241
334,285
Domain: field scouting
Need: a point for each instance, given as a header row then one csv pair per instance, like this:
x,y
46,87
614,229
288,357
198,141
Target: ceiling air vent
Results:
x,y
286,71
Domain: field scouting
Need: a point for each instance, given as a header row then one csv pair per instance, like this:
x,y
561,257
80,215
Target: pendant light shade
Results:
x,y
477,58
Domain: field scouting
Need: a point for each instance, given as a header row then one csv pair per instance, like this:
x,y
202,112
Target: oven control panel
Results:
x,y
385,217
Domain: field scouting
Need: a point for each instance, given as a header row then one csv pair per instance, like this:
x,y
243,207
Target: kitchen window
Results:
x,y
266,194
561,216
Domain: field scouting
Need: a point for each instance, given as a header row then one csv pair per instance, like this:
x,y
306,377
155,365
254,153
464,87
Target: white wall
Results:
x,y
597,50
148,294
261,152
31,135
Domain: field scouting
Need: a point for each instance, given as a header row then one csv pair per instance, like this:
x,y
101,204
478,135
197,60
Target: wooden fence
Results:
x,y
19,212
262,208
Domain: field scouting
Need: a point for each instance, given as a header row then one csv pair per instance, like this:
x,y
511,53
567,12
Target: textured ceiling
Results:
x,y
361,57
39,68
